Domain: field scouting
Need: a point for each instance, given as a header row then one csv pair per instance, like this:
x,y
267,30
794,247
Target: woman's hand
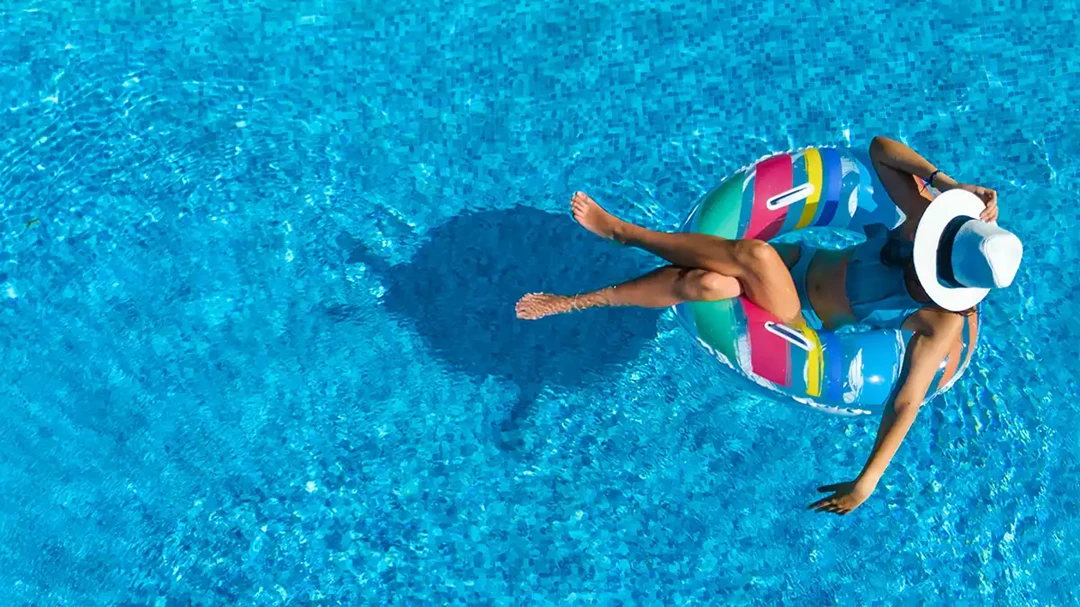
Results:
x,y
845,498
989,198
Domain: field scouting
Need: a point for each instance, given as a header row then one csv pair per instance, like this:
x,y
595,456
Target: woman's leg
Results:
x,y
757,266
660,288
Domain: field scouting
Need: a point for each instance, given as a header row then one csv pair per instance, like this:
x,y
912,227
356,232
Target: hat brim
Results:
x,y
939,213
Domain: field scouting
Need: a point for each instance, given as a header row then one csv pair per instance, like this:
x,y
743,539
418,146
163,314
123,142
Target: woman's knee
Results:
x,y
702,285
767,280
756,255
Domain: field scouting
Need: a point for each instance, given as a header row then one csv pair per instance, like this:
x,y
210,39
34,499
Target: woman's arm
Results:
x,y
935,332
901,157
893,158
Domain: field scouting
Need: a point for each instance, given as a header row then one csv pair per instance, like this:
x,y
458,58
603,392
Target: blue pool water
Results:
x,y
257,271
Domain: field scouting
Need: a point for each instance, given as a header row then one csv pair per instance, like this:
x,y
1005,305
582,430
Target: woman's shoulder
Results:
x,y
933,320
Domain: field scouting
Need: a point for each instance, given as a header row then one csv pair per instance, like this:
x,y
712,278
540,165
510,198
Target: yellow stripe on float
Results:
x,y
815,363
813,173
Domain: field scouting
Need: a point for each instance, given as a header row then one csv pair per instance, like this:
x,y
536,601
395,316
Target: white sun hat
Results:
x,y
958,257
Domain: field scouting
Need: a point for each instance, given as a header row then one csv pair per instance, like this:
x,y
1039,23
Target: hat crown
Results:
x,y
985,255
958,257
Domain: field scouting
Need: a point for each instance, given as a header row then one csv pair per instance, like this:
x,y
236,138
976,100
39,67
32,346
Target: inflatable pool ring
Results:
x,y
851,371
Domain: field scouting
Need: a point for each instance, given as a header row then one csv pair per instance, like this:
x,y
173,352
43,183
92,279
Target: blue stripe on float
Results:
x,y
832,179
799,358
833,355
881,357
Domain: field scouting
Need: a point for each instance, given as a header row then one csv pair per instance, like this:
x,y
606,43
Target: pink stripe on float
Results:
x,y
770,357
773,177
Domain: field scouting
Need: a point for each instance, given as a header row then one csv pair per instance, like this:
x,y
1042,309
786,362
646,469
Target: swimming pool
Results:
x,y
256,286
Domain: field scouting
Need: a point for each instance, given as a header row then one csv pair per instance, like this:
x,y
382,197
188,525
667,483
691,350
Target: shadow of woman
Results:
x,y
461,285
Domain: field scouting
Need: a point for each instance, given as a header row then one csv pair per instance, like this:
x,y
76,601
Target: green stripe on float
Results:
x,y
719,214
715,322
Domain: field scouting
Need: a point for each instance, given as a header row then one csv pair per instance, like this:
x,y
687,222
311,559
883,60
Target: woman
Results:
x,y
924,276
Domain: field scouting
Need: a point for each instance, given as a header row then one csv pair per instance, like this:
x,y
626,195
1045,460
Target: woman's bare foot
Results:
x,y
539,305
594,218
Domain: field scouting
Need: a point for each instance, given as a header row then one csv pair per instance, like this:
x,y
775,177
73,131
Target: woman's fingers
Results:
x,y
828,504
830,507
839,503
989,198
